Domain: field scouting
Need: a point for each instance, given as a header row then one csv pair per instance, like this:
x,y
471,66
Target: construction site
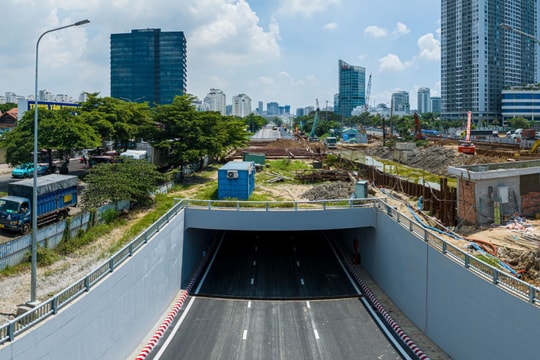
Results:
x,y
513,239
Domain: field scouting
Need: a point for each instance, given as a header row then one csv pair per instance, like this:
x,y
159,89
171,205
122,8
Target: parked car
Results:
x,y
103,159
27,170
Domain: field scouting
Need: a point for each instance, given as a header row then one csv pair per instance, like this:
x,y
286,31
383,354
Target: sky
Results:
x,y
283,51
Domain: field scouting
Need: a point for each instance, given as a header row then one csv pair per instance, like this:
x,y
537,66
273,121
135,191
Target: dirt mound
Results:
x,y
330,191
276,144
435,159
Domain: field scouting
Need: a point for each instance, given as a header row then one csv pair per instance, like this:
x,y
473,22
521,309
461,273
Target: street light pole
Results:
x,y
510,28
34,192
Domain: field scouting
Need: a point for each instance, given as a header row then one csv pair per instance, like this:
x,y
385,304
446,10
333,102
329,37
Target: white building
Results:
x,y
521,101
241,105
215,100
45,95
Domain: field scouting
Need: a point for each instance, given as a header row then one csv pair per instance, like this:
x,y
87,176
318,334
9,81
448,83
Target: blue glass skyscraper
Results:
x,y
148,65
352,88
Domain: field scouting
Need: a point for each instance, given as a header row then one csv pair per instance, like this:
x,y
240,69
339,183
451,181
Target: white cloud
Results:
x,y
232,36
330,26
239,46
375,31
266,81
401,29
392,62
430,48
305,7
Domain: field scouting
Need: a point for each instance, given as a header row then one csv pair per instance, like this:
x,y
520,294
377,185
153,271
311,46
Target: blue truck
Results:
x,y
56,194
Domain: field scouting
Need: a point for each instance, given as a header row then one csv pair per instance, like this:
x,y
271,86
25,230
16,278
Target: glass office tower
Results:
x,y
352,88
479,57
148,66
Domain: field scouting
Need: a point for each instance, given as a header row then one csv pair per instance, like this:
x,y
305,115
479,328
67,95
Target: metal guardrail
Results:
x,y
508,282
11,329
239,205
505,280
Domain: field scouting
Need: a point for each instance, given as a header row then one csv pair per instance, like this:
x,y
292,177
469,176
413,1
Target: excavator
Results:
x,y
535,146
466,146
312,137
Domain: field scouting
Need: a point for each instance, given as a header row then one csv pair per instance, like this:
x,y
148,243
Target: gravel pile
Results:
x,y
329,191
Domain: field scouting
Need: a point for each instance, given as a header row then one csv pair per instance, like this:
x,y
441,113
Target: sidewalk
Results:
x,y
5,169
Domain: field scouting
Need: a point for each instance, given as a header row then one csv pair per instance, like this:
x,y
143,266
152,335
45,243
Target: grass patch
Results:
x,y
286,165
162,204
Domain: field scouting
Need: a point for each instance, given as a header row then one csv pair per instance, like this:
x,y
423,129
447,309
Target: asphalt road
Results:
x,y
275,296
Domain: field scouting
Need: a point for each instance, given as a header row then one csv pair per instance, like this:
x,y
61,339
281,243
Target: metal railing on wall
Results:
x,y
43,310
505,280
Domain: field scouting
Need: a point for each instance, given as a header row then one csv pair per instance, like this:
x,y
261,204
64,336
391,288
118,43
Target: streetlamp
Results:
x,y
510,28
34,193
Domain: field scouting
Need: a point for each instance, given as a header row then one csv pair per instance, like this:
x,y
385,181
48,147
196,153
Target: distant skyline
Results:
x,y
283,51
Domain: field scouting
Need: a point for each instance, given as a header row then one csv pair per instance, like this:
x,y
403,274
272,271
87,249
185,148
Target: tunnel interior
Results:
x,y
286,265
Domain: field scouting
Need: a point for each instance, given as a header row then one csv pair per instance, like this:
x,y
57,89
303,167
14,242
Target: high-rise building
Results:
x,y
148,65
352,88
241,105
424,100
436,104
479,57
400,103
215,101
272,108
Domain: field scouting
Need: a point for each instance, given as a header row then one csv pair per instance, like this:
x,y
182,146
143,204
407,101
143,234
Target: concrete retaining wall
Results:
x,y
112,320
466,316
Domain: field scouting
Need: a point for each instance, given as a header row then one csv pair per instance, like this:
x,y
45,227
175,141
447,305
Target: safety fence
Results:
x,y
16,251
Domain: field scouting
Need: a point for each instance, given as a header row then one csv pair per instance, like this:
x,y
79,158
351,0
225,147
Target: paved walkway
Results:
x,y
5,169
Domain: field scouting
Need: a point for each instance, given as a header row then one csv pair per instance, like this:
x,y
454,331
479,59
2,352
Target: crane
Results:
x,y
368,91
467,147
312,137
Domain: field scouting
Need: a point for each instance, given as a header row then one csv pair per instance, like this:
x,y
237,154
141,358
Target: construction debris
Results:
x,y
315,176
330,191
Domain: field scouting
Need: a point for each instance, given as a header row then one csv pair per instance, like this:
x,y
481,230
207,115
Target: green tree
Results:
x,y
117,120
7,106
132,180
59,130
254,122
520,123
187,136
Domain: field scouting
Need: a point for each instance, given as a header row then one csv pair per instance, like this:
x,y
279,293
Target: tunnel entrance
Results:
x,y
276,265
